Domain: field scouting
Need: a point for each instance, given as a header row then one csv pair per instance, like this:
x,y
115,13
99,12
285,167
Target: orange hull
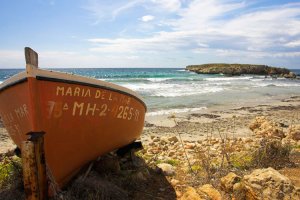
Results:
x,y
82,118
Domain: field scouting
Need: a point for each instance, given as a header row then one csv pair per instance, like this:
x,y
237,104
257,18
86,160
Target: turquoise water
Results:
x,y
169,90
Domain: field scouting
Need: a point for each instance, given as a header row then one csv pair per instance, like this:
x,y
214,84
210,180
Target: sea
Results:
x,y
175,90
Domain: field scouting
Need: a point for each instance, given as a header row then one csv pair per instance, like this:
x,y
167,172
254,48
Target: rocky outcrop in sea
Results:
x,y
239,69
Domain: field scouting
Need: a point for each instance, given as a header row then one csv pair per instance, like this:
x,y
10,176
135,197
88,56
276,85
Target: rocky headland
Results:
x,y
239,69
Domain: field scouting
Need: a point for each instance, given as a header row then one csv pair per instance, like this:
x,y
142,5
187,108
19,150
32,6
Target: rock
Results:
x,y
147,124
239,192
174,182
229,180
165,148
248,140
164,140
210,191
263,127
178,194
189,146
267,184
171,153
151,144
256,123
167,169
191,194
294,132
155,150
290,75
173,139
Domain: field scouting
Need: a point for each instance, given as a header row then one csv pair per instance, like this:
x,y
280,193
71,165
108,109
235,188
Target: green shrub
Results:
x,y
173,162
196,168
10,170
242,161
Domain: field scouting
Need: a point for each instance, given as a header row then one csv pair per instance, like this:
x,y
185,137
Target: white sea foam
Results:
x,y
228,78
158,79
175,111
177,92
181,70
172,90
274,84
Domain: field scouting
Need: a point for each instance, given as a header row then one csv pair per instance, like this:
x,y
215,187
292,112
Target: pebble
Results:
x,y
167,169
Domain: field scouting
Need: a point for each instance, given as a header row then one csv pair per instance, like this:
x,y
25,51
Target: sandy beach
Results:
x,y
6,144
194,126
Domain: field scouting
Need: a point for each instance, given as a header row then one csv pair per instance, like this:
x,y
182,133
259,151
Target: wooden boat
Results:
x,y
82,117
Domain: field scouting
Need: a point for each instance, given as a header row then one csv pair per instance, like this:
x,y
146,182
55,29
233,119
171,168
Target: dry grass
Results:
x,y
94,188
272,153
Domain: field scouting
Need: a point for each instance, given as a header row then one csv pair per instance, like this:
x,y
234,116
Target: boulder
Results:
x,y
290,75
189,146
191,194
210,191
256,123
229,180
261,126
239,191
173,139
167,169
266,184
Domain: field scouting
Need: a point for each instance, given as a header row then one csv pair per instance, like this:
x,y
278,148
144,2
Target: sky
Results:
x,y
150,33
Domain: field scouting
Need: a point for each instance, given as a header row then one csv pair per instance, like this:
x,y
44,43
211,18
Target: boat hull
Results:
x,y
81,120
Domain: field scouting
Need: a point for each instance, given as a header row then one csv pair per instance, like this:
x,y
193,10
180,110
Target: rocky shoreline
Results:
x,y
239,69
213,154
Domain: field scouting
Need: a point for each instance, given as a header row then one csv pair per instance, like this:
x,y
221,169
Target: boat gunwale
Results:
x,y
14,80
8,85
41,74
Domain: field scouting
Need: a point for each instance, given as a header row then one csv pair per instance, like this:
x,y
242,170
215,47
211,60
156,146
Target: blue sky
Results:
x,y
150,33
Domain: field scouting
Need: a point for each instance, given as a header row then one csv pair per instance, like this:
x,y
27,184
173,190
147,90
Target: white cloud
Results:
x,y
204,14
223,27
163,41
9,58
223,30
147,18
170,5
100,10
292,44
